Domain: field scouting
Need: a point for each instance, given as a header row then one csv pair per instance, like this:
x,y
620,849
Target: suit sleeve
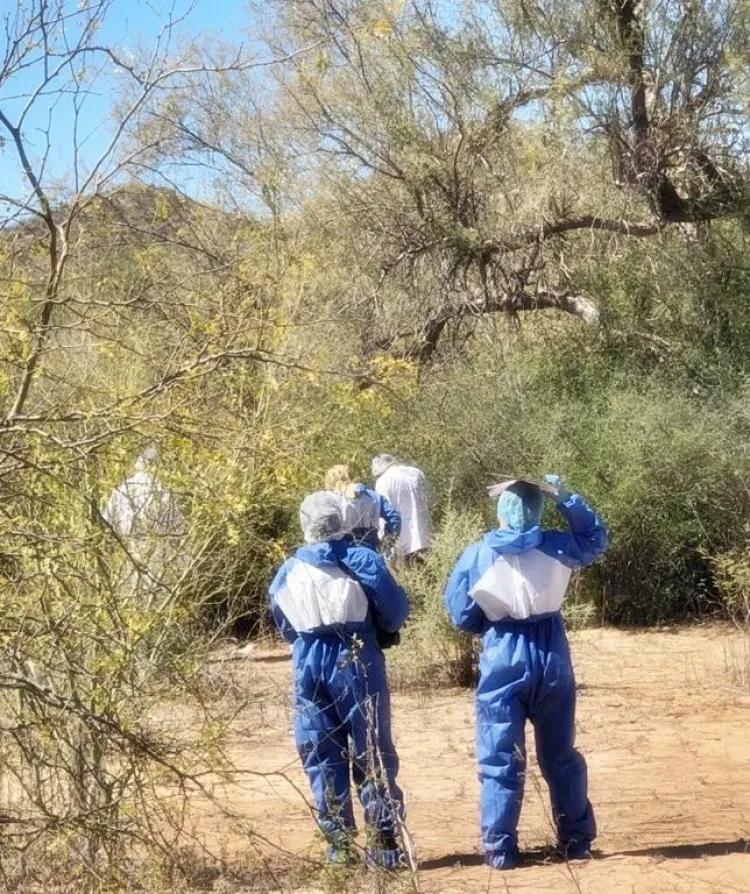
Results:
x,y
280,619
586,538
463,611
388,600
390,515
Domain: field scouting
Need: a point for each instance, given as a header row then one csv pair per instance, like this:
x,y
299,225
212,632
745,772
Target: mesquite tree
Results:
x,y
453,158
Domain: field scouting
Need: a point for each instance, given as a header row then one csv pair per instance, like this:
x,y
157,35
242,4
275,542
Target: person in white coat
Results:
x,y
406,488
146,516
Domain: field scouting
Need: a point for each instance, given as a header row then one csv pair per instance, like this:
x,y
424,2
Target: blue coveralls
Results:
x,y
373,506
526,672
341,696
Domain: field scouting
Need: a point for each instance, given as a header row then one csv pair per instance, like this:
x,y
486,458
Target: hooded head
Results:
x,y
320,517
520,506
381,463
148,459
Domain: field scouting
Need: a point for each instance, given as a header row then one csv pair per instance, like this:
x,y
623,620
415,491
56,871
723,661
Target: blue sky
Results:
x,y
129,23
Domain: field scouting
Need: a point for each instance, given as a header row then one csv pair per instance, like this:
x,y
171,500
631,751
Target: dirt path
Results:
x,y
664,728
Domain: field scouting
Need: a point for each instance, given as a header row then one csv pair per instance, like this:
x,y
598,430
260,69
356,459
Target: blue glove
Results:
x,y
561,492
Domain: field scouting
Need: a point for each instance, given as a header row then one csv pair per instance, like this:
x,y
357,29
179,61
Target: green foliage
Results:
x,y
732,573
91,662
394,209
650,426
432,652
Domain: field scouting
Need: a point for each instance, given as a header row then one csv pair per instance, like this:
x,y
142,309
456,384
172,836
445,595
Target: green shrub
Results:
x,y
432,652
732,574
663,472
663,465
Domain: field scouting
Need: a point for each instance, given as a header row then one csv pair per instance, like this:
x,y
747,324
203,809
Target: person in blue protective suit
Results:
x,y
509,588
329,599
365,511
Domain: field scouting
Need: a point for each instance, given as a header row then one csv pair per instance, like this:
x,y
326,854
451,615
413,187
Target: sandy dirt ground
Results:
x,y
663,721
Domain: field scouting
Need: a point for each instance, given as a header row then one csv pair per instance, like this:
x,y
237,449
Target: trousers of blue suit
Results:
x,y
526,673
342,730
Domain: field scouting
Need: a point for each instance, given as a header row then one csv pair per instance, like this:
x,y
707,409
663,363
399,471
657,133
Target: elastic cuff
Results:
x,y
502,859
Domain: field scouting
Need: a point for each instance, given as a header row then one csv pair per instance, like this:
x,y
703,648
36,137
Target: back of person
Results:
x,y
519,577
147,516
406,488
509,588
364,510
321,607
336,592
361,511
329,599
140,508
316,595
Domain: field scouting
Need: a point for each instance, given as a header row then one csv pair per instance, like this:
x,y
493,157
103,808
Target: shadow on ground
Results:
x,y
543,856
687,851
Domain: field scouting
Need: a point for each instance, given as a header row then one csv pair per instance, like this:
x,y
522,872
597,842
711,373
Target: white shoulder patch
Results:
x,y
314,597
519,586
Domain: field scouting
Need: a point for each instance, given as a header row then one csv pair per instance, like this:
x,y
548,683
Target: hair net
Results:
x,y
321,518
520,506
381,462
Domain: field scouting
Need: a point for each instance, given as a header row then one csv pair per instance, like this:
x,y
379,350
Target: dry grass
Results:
x,y
737,658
